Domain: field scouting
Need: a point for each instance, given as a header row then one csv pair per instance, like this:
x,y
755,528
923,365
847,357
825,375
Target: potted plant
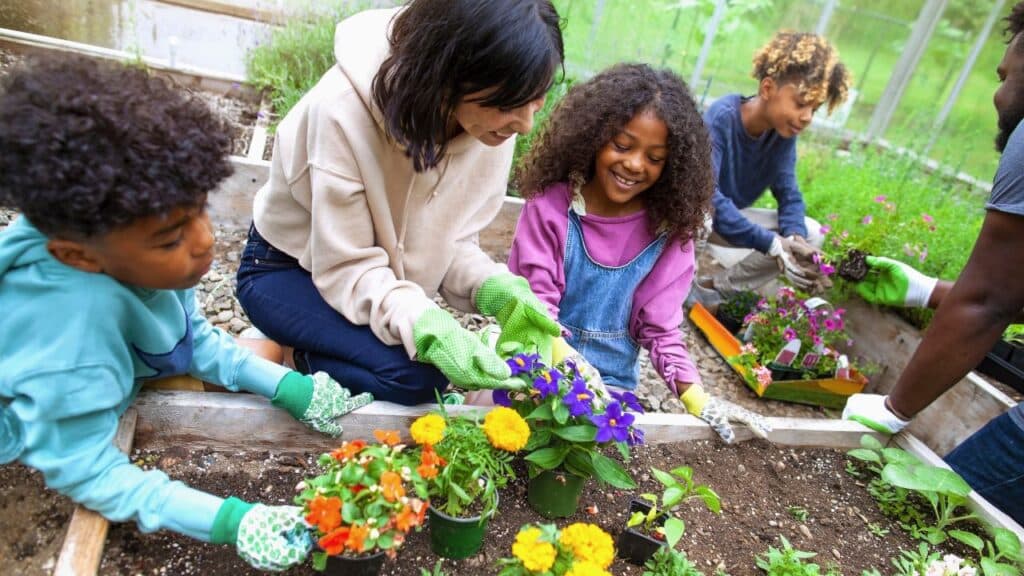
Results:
x,y
570,422
360,508
1005,362
579,549
465,464
735,308
649,527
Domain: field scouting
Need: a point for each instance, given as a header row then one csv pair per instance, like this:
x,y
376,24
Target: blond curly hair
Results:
x,y
809,62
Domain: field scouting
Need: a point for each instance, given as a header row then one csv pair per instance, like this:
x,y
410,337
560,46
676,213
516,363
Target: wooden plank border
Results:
x,y
82,550
246,10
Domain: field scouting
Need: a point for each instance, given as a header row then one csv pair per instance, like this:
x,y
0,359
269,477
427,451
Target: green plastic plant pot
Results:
x,y
456,538
554,493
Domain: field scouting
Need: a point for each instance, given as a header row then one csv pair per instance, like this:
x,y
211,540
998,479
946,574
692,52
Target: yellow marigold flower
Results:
x,y
589,543
428,429
506,429
536,556
587,569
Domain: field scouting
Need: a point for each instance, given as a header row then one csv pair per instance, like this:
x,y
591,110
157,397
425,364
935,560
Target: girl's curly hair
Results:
x,y
593,112
88,146
808,61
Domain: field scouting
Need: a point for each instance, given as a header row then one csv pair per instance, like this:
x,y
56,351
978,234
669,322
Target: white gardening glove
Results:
x,y
892,283
872,411
783,250
719,413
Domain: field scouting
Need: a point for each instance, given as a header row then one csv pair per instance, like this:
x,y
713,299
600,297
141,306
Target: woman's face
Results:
x,y
493,126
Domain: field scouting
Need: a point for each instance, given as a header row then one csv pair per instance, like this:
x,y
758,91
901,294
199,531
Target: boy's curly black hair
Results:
x,y
808,61
593,112
88,146
1015,24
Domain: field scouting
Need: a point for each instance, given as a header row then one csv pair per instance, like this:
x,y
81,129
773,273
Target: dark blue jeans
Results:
x,y
281,300
992,462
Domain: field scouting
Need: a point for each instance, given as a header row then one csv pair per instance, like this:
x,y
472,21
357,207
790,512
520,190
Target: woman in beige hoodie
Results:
x,y
382,178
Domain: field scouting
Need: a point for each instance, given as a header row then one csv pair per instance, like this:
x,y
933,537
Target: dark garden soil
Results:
x,y
764,488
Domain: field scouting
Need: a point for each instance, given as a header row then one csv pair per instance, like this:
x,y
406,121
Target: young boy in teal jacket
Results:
x,y
110,169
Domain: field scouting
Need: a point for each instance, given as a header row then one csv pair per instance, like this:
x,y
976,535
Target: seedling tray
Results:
x,y
826,392
1005,363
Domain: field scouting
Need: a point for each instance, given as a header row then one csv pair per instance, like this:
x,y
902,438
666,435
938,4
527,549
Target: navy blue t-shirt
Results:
x,y
744,167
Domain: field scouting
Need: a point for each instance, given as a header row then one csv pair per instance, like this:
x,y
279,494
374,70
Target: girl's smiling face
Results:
x,y
627,165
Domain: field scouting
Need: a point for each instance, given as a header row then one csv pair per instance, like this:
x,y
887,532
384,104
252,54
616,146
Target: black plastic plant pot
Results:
x,y
369,565
1006,366
636,547
782,373
729,322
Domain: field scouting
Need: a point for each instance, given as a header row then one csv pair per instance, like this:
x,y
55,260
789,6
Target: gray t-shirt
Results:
x,y
1008,196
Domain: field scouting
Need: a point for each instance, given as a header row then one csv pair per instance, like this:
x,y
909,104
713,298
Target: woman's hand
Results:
x,y
522,316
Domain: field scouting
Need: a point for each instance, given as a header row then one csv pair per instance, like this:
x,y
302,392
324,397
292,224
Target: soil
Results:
x,y
854,267
764,489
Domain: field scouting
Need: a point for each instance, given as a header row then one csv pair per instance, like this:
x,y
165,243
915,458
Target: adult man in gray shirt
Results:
x,y
973,313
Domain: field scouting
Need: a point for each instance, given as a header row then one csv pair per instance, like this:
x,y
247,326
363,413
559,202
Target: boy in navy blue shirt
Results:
x,y
754,148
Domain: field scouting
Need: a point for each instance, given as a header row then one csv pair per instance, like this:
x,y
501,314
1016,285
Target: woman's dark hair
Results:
x,y
592,113
442,50
88,146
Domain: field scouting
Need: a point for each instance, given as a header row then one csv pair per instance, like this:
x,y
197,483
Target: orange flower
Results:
x,y
406,519
356,536
389,437
391,486
325,513
348,450
420,507
431,458
333,543
427,472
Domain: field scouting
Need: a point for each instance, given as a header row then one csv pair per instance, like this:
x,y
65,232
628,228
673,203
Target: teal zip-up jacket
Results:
x,y
75,348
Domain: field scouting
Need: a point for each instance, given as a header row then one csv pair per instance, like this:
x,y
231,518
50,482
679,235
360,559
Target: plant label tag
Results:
x,y
788,353
816,302
810,360
843,368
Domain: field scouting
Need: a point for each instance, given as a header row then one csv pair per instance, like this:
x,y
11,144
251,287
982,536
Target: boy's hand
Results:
x,y
719,413
458,353
317,400
872,411
272,538
522,316
785,251
893,283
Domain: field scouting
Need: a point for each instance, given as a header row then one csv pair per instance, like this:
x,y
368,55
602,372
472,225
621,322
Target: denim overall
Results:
x,y
596,306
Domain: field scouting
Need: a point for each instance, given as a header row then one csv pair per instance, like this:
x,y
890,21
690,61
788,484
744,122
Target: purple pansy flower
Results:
x,y
500,398
613,424
547,383
628,400
523,363
636,436
579,398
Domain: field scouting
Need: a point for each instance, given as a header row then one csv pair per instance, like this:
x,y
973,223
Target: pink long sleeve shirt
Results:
x,y
538,252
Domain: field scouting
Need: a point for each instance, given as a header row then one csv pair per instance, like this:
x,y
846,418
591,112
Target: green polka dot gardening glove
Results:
x,y
893,283
271,538
317,400
522,316
458,353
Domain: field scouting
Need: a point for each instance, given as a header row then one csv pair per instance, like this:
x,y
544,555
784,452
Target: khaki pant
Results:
x,y
747,269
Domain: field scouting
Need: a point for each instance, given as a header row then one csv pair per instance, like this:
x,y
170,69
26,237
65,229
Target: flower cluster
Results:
x,y
367,498
786,317
577,550
466,462
569,419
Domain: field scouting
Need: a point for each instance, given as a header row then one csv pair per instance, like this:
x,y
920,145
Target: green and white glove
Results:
x,y
458,353
719,413
317,400
272,538
872,410
893,283
522,316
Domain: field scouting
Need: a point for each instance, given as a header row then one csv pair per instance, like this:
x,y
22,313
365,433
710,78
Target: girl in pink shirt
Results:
x,y
617,186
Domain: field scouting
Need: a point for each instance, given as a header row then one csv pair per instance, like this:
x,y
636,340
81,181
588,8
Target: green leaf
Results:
x,y
710,498
672,496
579,433
542,412
319,561
635,520
561,413
664,477
870,442
538,438
898,456
684,472
865,455
548,458
925,478
1007,542
609,471
968,538
580,462
674,528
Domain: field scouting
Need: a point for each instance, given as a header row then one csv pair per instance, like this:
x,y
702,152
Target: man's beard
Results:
x,y
1008,122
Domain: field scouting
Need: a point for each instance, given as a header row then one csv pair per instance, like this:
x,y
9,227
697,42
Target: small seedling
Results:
x,y
1001,557
877,530
789,561
799,513
435,572
669,562
679,487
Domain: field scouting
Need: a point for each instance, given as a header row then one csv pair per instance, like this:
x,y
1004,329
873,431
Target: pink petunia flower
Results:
x,y
880,198
927,218
867,219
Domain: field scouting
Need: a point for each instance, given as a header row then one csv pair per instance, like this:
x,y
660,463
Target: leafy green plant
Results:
x,y
877,530
799,513
944,490
914,562
436,571
679,487
1014,333
789,561
998,557
669,562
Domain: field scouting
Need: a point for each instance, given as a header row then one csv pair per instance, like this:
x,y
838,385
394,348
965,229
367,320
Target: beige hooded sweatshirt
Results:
x,y
379,239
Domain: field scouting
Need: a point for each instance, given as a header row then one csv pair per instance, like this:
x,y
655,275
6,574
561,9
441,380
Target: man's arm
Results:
x,y
985,299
